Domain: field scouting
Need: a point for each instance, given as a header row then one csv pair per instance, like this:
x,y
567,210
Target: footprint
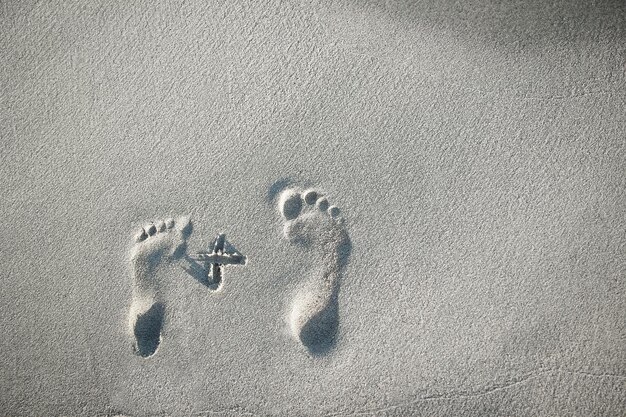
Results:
x,y
157,247
310,221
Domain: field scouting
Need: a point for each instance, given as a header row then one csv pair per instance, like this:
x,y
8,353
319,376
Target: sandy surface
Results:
x,y
476,153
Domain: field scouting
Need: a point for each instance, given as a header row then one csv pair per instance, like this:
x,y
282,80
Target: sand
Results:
x,y
423,207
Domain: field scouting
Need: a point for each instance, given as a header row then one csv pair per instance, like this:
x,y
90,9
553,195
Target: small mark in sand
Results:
x,y
215,261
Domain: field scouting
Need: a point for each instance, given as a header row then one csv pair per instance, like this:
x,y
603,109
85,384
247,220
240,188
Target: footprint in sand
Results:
x,y
157,248
310,221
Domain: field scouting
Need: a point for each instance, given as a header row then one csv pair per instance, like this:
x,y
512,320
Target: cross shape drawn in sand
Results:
x,y
216,259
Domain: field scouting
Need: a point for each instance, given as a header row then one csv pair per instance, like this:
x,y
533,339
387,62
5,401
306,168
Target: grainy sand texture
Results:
x,y
313,208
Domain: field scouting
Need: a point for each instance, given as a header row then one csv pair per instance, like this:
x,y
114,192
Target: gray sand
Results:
x,y
475,263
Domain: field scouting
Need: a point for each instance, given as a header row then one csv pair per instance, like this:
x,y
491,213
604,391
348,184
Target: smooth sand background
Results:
x,y
477,151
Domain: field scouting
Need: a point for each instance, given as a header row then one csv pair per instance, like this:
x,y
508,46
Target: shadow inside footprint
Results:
x,y
319,333
344,249
148,330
